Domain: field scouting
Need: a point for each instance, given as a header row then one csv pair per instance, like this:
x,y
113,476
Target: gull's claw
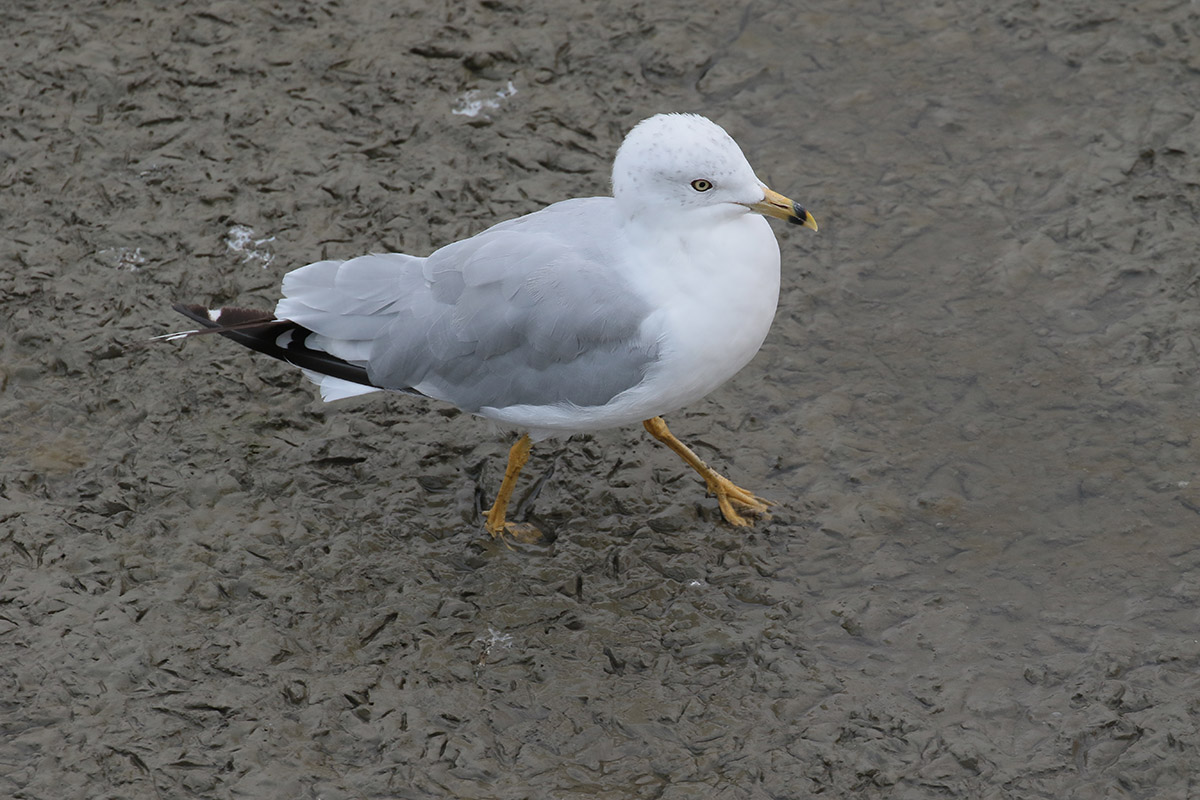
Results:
x,y
729,494
520,532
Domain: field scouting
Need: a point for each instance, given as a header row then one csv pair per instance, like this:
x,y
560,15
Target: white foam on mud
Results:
x,y
241,239
473,103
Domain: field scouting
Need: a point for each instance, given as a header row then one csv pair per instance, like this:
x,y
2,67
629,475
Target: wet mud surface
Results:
x,y
977,411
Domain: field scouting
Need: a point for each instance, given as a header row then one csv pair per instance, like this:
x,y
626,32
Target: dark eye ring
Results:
x,y
701,185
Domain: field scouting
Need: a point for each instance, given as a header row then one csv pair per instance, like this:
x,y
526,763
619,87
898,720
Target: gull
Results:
x,y
592,313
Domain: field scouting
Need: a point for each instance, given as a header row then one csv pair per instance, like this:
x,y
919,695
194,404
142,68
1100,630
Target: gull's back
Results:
x,y
519,314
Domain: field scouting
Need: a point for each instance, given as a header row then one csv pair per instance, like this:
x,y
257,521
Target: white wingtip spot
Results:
x,y
214,314
335,388
170,337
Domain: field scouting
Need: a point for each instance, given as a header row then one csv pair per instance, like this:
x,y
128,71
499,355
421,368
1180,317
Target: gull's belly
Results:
x,y
708,345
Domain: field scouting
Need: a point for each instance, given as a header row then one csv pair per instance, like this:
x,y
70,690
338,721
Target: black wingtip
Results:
x,y
277,338
228,317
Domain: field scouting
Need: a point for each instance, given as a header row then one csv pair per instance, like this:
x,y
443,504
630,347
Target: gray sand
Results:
x,y
977,411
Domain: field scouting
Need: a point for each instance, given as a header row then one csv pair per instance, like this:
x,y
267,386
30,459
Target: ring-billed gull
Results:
x,y
592,313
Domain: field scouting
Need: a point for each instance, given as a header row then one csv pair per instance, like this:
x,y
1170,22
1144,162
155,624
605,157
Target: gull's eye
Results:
x,y
701,185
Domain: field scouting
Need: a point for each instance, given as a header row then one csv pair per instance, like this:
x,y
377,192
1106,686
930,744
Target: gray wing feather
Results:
x,y
519,314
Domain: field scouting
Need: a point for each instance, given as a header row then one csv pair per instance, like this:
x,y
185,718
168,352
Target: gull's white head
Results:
x,y
686,165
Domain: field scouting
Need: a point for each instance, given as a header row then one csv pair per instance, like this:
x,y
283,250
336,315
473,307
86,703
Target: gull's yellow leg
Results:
x,y
518,454
726,491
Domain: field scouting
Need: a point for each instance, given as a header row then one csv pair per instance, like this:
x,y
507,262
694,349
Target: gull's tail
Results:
x,y
278,338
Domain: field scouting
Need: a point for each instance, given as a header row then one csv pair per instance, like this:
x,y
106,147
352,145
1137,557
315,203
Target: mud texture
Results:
x,y
977,411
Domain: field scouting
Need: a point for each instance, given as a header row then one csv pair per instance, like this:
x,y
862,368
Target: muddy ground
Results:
x,y
977,411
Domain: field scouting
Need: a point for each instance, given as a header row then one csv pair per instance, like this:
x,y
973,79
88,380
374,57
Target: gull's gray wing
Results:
x,y
531,311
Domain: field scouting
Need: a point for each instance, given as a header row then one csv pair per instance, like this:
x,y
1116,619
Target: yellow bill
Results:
x,y
776,205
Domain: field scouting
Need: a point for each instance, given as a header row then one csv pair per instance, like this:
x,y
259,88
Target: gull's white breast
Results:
x,y
717,293
715,290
